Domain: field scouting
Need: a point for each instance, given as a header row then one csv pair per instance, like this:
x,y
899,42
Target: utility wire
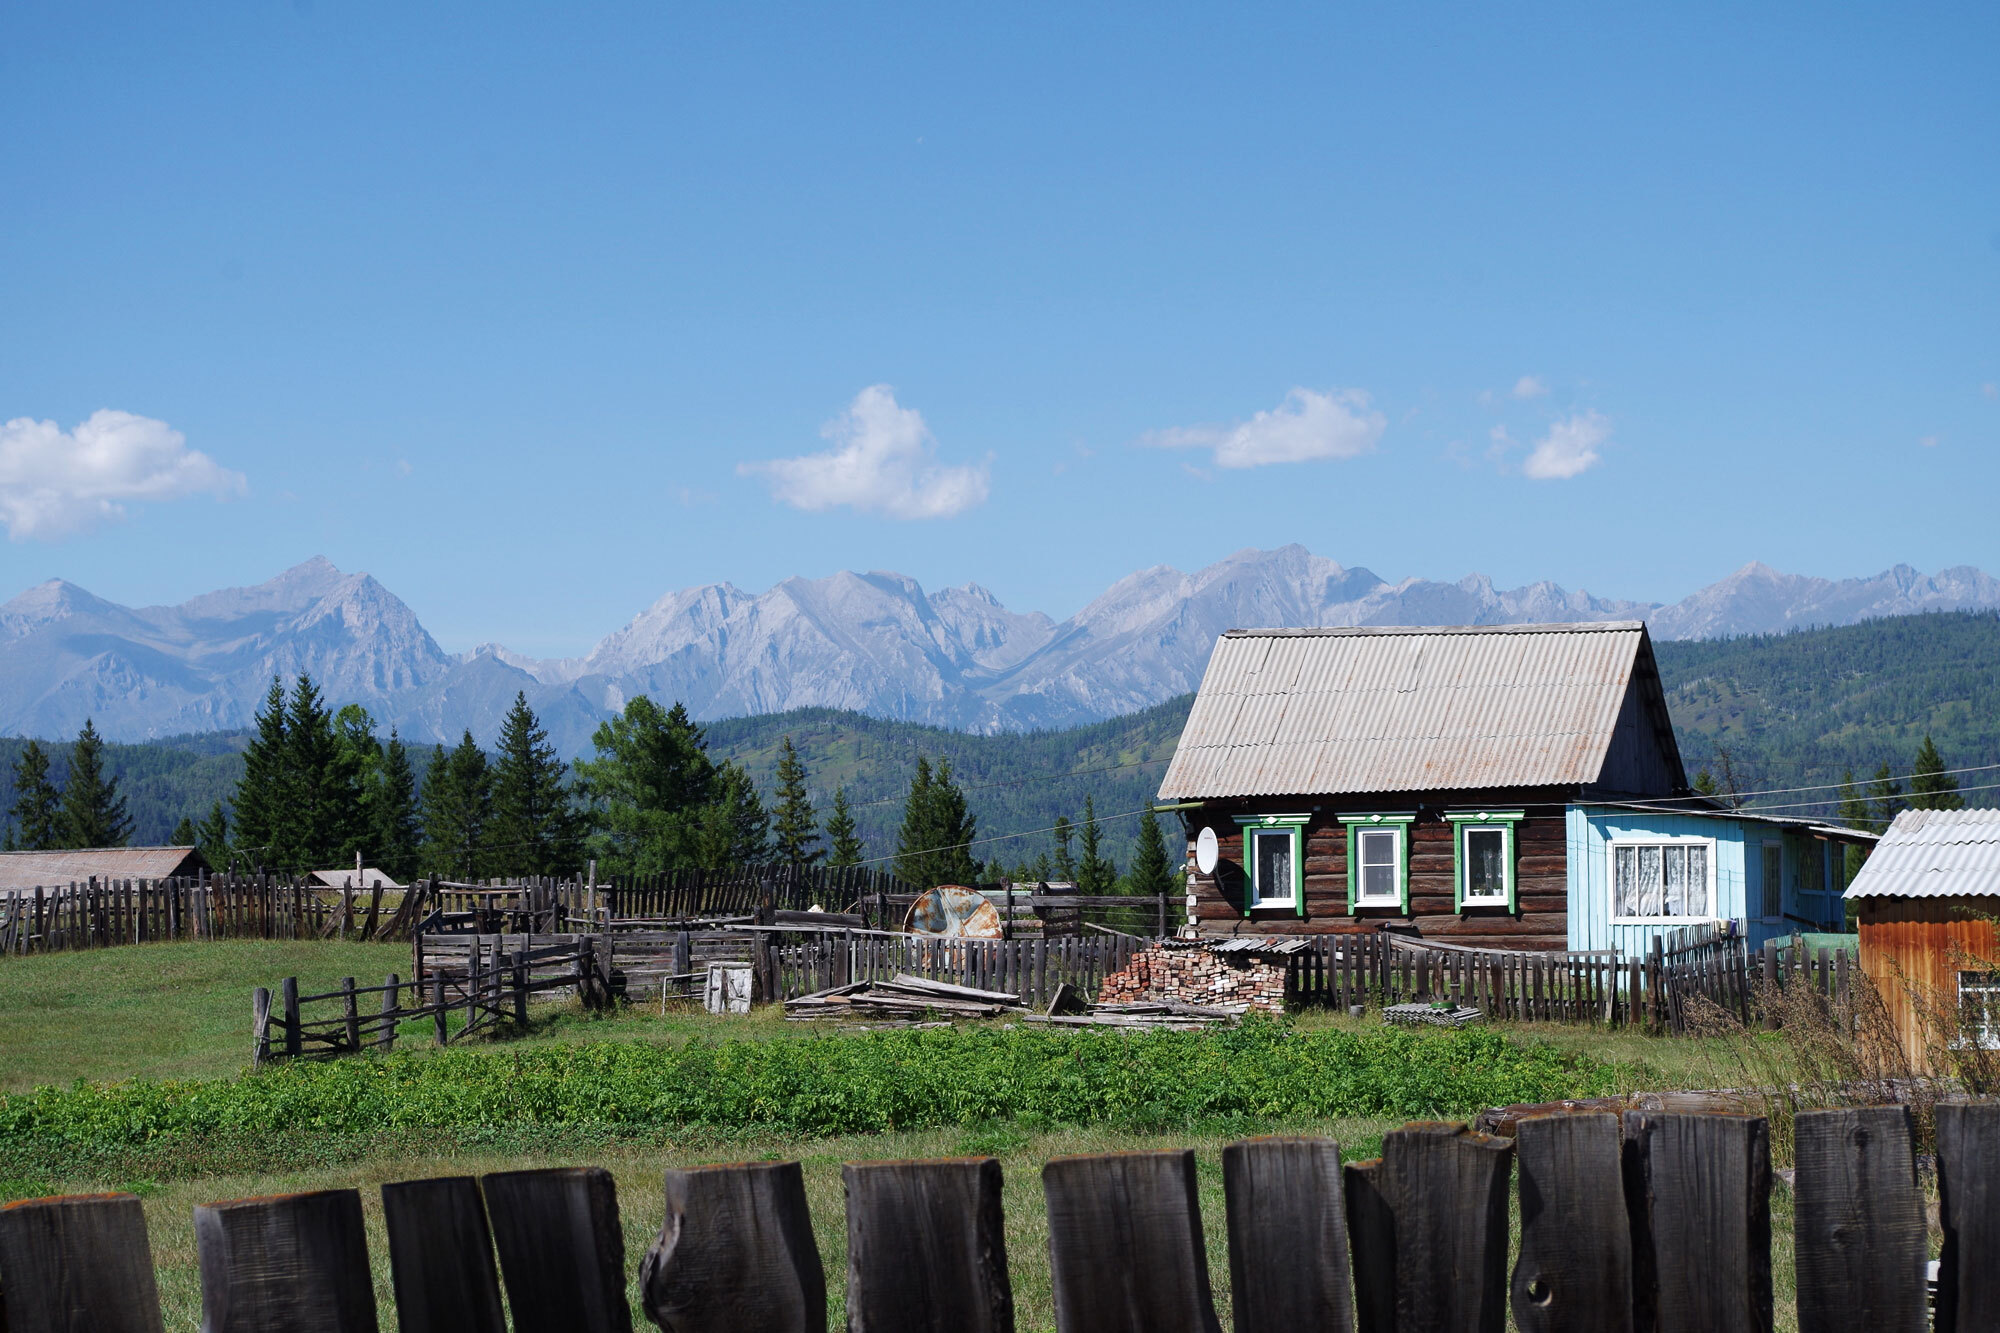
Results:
x,y
1860,785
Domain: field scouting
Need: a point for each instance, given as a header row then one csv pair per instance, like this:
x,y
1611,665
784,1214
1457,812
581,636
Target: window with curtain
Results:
x,y
1660,881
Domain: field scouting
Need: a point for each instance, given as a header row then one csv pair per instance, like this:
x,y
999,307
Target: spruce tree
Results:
x,y
93,813
37,809
650,783
392,812
734,829
263,795
1152,872
1065,862
1931,788
183,834
535,826
212,836
1095,873
845,849
794,828
322,823
458,802
1854,813
1886,797
918,835
357,769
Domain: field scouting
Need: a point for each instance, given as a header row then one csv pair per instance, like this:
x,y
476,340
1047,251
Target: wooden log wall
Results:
x,y
1655,1221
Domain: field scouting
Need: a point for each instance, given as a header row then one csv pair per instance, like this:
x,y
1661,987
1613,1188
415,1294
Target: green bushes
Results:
x,y
839,1084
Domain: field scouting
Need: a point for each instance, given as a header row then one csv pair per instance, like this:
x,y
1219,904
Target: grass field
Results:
x,y
182,1011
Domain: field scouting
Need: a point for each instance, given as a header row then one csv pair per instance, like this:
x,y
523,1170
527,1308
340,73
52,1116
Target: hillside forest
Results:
x,y
1811,708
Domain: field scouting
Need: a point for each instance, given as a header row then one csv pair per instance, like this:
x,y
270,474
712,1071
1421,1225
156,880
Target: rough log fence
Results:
x,y
1656,1221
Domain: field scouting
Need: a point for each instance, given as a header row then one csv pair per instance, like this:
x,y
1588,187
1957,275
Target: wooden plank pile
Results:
x,y
902,1001
1147,1014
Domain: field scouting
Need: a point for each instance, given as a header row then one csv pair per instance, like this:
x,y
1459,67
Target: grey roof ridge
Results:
x,y
1551,627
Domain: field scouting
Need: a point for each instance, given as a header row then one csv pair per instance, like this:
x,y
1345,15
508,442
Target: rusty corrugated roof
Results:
x,y
1934,854
1387,709
27,870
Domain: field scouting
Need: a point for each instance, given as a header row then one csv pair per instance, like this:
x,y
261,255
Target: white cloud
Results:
x,y
1306,427
56,483
1530,386
1570,447
1929,441
884,461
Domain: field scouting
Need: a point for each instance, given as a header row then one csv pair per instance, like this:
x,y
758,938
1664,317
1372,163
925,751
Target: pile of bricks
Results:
x,y
1197,976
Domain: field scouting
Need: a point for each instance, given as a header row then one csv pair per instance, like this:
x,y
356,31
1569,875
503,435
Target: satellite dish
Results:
x,y
953,909
1207,854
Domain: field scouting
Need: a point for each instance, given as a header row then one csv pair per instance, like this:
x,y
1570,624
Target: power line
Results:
x,y
1860,786
1022,782
1001,837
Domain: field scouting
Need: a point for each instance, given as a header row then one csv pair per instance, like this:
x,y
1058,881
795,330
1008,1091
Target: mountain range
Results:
x,y
874,643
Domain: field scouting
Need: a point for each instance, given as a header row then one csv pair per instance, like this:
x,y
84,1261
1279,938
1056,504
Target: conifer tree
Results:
x,y
650,783
392,812
845,848
932,847
1885,794
1854,813
1065,862
1705,784
1152,873
957,828
321,823
458,802
37,810
1095,873
916,837
794,828
535,826
734,829
212,836
183,834
1931,788
93,813
262,793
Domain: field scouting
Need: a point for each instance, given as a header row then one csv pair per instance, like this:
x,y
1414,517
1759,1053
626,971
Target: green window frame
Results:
x,y
1465,823
1397,824
1271,826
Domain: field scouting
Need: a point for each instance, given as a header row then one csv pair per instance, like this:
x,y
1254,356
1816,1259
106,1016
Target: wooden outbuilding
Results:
x,y
1926,903
80,865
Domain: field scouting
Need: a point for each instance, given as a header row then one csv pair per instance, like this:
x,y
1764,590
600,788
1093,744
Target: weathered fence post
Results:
x,y
1447,1191
350,1012
736,1252
77,1262
1968,1290
392,1009
441,1257
926,1248
260,1027
289,1261
289,988
440,1024
1771,987
1575,1270
1125,1244
562,1251
1699,1188
1859,1237
1287,1236
1371,1238
520,979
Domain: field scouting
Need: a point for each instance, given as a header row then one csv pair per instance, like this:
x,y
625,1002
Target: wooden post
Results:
x,y
1447,1189
260,1027
736,1252
77,1262
1968,1290
286,1261
1287,1236
289,989
562,1251
1860,1243
1125,1244
1699,1188
1575,1269
350,1011
441,1257
1371,1237
520,978
392,1009
437,1008
927,1248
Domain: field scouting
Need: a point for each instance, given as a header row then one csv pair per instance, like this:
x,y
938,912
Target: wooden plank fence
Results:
x,y
96,914
1656,1221
1031,968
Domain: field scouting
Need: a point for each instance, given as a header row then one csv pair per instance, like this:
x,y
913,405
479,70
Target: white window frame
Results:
x,y
1271,826
1986,1036
1636,840
1763,889
1394,898
1462,826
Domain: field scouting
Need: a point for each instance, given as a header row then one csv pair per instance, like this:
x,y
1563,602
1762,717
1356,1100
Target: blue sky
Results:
x,y
533,312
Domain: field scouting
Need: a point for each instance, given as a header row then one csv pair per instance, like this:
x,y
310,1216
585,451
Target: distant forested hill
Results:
x,y
1804,707
1789,709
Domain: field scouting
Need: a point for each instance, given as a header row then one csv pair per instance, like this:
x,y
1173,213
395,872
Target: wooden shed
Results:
x,y
30,870
1926,902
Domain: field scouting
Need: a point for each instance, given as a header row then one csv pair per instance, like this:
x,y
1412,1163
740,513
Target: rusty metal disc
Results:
x,y
953,909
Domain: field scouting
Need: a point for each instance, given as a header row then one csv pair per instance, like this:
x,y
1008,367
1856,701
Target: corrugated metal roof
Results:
x,y
27,870
1383,709
1934,854
360,879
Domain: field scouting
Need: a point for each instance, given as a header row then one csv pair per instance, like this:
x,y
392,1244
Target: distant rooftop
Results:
x,y
1934,854
28,870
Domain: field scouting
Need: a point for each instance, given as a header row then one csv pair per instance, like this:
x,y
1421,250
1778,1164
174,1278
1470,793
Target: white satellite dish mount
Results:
x,y
1207,852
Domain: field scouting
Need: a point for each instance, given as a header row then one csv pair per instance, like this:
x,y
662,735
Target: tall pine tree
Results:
x,y
93,813
458,803
1931,788
263,797
183,834
650,783
1152,873
795,831
844,846
535,826
392,812
734,830
1854,813
212,836
1095,872
322,821
933,845
1065,862
1886,797
37,810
